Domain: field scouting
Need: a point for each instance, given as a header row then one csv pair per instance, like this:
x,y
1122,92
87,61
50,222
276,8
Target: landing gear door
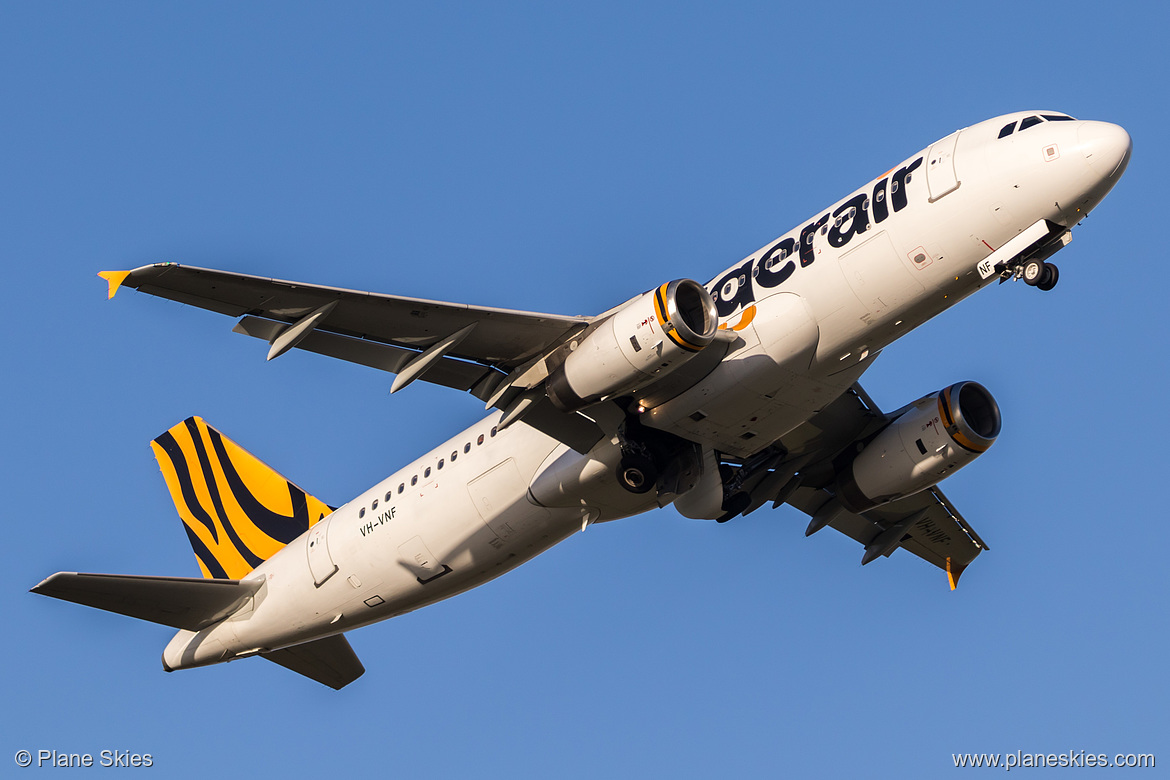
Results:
x,y
940,167
321,563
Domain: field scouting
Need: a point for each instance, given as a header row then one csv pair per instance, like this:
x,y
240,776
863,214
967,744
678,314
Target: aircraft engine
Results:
x,y
653,334
933,438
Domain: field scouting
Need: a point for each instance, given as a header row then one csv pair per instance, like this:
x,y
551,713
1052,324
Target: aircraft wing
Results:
x,y
470,348
926,523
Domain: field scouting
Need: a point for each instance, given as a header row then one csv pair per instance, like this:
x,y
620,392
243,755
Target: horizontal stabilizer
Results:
x,y
178,602
329,661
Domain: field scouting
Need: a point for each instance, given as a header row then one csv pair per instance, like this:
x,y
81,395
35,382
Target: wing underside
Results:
x,y
926,524
480,350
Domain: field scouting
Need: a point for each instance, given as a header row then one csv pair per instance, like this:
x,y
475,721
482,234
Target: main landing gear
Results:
x,y
652,459
636,472
1039,274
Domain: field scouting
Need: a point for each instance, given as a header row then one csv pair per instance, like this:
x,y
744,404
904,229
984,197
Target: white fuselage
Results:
x,y
809,312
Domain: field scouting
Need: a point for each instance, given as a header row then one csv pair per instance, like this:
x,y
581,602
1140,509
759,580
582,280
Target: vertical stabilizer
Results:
x,y
237,511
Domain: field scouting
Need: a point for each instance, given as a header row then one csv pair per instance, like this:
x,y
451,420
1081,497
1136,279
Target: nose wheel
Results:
x,y
1039,274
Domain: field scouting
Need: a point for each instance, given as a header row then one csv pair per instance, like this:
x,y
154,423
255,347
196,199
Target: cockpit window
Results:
x,y
1032,121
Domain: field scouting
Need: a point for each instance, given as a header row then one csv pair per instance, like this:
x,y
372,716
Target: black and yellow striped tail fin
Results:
x,y
238,512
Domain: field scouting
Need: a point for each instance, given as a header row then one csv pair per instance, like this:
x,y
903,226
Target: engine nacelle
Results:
x,y
936,436
651,335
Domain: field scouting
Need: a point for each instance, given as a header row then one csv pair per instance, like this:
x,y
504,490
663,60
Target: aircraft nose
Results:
x,y
1106,147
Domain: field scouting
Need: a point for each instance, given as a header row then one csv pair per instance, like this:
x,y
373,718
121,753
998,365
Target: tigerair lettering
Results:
x,y
778,262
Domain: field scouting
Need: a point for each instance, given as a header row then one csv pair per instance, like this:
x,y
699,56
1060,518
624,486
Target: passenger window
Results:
x,y
401,487
493,432
454,455
414,480
361,512
426,472
375,506
440,463
1031,121
479,440
467,448
1007,130
388,493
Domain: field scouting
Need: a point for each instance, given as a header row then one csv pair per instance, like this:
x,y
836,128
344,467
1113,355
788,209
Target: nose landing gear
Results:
x,y
1039,274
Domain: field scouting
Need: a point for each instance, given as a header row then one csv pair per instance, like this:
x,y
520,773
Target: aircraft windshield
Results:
x,y
1032,121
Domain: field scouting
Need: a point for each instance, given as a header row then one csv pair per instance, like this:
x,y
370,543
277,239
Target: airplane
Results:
x,y
717,398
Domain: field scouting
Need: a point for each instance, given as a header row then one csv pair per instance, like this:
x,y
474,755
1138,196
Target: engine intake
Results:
x,y
651,335
933,438
971,416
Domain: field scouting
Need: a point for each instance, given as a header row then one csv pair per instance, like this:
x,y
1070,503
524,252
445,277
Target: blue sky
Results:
x,y
563,158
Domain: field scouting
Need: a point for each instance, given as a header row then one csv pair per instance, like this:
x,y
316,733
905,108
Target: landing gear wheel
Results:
x,y
1050,276
1033,273
636,474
